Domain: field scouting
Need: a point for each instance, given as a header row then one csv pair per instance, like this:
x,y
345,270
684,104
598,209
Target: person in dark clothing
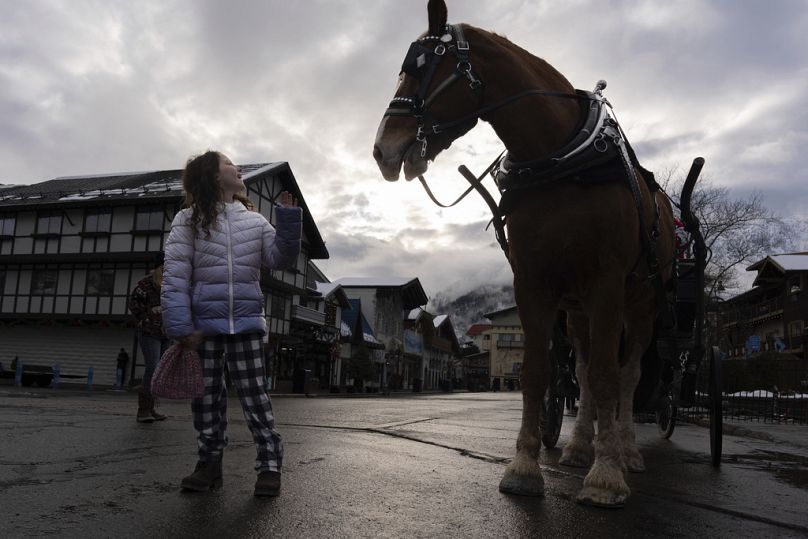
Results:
x,y
144,302
122,362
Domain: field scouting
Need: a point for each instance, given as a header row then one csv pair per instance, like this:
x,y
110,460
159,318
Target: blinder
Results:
x,y
416,60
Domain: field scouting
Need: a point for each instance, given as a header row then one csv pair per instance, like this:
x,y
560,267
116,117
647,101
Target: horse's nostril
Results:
x,y
377,153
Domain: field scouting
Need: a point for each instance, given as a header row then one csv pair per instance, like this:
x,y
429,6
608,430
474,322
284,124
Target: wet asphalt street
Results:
x,y
74,464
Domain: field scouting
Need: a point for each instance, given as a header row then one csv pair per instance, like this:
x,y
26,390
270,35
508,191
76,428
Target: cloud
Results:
x,y
94,86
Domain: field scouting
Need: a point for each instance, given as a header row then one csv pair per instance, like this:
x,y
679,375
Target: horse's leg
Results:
x,y
578,450
639,331
605,485
523,475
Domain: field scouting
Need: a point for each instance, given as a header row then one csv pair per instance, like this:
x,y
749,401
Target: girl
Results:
x,y
212,302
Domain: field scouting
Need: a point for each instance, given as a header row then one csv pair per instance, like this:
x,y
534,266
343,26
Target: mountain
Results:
x,y
469,308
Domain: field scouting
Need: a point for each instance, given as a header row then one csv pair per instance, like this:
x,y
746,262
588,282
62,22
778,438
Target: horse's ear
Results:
x,y
437,17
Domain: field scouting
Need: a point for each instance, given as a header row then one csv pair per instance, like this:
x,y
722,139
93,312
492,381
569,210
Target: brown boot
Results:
x,y
268,484
154,413
144,408
206,476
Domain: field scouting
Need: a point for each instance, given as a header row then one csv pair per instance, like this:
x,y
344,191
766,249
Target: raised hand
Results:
x,y
287,200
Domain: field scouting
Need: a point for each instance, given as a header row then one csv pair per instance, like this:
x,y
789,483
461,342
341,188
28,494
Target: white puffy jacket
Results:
x,y
211,284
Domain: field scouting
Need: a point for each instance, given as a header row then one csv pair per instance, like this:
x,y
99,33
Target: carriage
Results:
x,y
586,230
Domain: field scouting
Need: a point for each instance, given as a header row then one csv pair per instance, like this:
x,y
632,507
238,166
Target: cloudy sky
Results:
x,y
98,86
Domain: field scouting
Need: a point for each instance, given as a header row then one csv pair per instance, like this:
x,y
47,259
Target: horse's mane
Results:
x,y
527,59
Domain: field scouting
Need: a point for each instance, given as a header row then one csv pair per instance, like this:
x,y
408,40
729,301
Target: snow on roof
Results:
x,y
795,262
440,319
414,313
111,185
786,262
326,288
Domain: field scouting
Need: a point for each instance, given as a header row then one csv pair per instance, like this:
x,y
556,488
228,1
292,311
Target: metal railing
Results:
x,y
786,403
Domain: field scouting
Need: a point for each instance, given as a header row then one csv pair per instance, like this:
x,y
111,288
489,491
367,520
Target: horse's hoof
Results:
x,y
578,457
521,485
599,497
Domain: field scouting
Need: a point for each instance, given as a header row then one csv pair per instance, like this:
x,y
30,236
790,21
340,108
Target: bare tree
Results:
x,y
738,231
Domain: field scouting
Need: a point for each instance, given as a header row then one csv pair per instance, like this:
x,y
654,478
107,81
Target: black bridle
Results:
x,y
421,62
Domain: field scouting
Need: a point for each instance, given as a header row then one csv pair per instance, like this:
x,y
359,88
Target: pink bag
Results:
x,y
178,374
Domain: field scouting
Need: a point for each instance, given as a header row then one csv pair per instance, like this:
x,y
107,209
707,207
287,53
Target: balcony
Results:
x,y
307,315
753,313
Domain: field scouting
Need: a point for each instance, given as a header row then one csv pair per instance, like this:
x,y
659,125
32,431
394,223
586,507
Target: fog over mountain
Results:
x,y
471,307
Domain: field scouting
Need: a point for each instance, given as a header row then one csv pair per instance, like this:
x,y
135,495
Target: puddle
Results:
x,y
787,467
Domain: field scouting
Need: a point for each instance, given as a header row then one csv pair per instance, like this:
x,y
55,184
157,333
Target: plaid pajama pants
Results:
x,y
244,356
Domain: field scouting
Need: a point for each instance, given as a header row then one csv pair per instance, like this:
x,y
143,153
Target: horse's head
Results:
x,y
429,111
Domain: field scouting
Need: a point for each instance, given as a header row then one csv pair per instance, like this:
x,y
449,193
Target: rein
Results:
x,y
476,183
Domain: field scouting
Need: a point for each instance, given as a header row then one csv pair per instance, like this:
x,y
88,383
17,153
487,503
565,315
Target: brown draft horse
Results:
x,y
576,247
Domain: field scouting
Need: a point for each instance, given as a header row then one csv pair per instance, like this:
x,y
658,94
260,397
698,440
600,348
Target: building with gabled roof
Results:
x,y
771,317
72,249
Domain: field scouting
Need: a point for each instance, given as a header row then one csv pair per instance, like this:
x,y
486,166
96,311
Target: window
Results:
x,y
7,222
331,313
149,218
100,282
277,306
43,282
49,223
795,328
97,220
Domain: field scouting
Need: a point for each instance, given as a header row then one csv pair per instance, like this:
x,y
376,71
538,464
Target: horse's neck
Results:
x,y
533,126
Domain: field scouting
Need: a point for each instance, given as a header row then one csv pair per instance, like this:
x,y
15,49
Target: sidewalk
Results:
x,y
779,433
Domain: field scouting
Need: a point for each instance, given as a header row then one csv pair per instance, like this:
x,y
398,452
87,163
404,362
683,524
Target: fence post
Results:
x,y
90,378
18,372
56,375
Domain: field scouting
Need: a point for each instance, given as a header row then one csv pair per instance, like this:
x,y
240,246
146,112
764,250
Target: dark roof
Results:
x,y
508,310
125,186
476,329
412,293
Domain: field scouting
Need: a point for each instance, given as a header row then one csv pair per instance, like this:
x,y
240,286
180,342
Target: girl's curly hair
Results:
x,y
202,192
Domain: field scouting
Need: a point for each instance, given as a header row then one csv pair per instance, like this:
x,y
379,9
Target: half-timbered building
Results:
x,y
72,249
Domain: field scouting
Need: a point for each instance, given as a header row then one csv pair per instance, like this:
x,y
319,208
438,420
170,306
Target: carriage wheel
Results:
x,y
716,413
552,408
666,418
